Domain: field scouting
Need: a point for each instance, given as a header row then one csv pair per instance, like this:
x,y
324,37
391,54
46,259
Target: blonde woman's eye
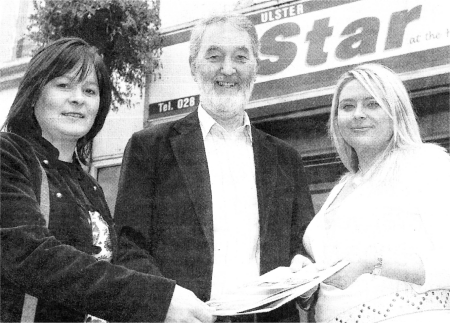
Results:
x,y
346,107
373,105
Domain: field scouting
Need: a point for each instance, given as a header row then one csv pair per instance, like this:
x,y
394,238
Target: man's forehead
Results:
x,y
223,35
213,47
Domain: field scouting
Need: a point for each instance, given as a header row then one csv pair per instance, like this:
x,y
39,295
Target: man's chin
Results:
x,y
226,102
223,91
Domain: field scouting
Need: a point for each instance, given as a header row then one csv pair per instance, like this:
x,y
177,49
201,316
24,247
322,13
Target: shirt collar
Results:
x,y
207,122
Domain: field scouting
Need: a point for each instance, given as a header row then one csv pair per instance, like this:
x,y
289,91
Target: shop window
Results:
x,y
434,117
108,178
309,135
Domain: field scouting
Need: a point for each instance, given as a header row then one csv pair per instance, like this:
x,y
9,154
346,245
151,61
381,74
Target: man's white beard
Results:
x,y
224,103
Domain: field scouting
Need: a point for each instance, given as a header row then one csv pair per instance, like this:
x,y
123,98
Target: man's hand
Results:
x,y
186,307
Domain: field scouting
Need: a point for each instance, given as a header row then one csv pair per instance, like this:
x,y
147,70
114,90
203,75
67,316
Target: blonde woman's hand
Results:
x,y
359,264
299,262
308,268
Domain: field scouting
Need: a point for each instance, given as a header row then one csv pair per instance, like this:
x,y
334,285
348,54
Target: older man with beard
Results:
x,y
209,200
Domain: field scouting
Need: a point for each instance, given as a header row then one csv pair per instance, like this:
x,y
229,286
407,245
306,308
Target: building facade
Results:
x,y
305,46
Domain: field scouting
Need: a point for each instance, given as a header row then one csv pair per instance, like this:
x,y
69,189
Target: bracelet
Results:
x,y
378,266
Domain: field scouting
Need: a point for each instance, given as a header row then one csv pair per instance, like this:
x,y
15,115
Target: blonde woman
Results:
x,y
389,216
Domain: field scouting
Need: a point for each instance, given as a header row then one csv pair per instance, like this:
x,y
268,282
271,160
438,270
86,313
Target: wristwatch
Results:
x,y
377,268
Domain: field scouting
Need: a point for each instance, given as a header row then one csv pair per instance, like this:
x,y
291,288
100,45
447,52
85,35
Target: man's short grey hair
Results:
x,y
238,21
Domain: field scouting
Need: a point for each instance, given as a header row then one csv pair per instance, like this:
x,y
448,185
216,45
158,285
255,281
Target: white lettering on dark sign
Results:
x,y
280,13
176,104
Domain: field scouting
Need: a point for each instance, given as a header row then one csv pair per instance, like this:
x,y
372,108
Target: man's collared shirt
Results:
x,y
234,202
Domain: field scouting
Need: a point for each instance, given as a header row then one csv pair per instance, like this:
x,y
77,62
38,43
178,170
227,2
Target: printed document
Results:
x,y
271,290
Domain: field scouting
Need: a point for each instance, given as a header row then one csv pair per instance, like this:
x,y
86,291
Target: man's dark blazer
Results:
x,y
164,209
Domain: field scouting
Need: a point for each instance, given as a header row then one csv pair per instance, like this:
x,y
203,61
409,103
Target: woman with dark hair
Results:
x,y
51,62
63,257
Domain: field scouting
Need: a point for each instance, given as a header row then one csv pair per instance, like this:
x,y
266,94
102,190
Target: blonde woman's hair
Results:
x,y
390,93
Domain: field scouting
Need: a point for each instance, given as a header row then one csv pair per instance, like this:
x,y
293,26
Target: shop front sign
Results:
x,y
304,51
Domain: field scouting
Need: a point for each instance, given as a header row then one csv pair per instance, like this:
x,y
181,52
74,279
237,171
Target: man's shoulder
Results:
x,y
163,129
153,130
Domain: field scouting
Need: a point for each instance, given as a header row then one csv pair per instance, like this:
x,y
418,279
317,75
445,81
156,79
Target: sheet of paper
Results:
x,y
271,290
